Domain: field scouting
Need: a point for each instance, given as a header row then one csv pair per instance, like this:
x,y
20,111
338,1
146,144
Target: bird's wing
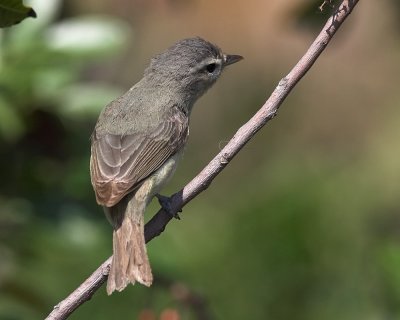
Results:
x,y
119,163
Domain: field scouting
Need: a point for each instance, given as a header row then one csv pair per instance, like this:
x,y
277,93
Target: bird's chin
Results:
x,y
198,88
204,89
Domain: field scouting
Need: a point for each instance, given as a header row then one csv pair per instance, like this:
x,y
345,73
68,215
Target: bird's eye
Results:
x,y
211,67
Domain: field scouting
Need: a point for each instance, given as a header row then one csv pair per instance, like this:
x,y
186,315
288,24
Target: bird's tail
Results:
x,y
130,262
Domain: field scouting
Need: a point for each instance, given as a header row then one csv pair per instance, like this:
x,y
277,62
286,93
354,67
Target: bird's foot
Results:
x,y
165,203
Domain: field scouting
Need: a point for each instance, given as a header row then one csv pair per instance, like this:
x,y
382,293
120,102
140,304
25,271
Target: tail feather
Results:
x,y
130,262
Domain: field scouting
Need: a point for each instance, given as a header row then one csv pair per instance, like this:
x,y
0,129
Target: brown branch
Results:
x,y
201,182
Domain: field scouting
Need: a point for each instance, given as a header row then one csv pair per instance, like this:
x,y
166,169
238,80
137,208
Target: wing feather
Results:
x,y
119,163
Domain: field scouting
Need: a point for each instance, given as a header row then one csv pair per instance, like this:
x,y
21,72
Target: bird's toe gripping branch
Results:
x,y
165,203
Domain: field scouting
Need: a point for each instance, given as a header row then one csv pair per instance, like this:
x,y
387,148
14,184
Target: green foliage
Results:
x,y
13,12
49,79
47,111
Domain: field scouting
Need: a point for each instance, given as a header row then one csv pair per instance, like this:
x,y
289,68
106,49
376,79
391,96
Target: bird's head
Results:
x,y
192,65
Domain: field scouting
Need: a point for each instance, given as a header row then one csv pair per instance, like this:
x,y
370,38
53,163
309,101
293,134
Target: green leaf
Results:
x,y
13,12
88,35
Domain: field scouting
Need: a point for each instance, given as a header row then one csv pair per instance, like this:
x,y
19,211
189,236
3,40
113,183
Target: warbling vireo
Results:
x,y
137,142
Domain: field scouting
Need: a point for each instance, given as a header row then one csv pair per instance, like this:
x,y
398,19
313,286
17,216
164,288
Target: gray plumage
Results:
x,y
137,142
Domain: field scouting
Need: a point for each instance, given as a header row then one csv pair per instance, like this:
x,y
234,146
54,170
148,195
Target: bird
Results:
x,y
138,141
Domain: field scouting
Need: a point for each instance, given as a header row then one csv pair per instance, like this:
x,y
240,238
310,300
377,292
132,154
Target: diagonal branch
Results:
x,y
201,182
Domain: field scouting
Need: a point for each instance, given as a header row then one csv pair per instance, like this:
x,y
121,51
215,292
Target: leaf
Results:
x,y
88,35
13,12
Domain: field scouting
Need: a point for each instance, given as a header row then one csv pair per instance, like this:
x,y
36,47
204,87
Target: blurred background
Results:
x,y
303,224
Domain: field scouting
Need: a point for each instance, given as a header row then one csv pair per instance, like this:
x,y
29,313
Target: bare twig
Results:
x,y
325,3
201,182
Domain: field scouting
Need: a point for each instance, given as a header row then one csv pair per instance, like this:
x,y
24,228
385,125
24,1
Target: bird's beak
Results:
x,y
231,58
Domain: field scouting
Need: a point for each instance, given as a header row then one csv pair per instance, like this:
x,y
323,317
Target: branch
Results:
x,y
201,182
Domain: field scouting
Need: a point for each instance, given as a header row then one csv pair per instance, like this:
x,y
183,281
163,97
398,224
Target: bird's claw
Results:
x,y
165,203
